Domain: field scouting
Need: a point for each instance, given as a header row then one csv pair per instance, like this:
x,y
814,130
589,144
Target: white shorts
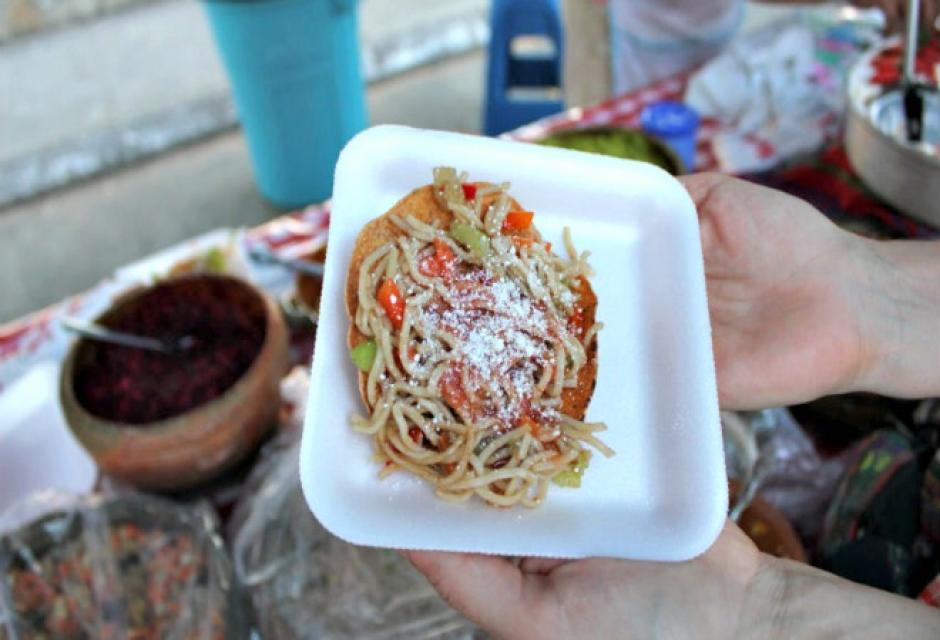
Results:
x,y
654,39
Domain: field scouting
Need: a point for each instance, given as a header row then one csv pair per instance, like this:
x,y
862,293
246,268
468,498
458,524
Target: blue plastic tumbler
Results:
x,y
294,70
674,123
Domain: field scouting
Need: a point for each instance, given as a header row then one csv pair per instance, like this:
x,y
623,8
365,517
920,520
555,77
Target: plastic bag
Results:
x,y
130,567
306,583
790,473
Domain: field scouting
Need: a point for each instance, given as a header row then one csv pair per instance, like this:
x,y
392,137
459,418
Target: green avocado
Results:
x,y
619,143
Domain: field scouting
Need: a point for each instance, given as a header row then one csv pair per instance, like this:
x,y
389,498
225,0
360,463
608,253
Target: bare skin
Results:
x,y
776,310
802,309
895,11
799,309
598,597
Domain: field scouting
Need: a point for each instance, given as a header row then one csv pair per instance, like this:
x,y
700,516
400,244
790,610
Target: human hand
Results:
x,y
601,597
896,11
801,309
732,592
786,324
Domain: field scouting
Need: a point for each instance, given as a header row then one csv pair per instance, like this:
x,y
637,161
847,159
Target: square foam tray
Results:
x,y
664,495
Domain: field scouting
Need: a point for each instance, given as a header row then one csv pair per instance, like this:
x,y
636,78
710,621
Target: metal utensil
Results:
x,y
264,256
95,331
296,311
743,460
913,98
748,492
903,173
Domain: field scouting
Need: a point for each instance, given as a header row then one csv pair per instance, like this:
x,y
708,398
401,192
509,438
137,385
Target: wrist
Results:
x,y
788,599
896,286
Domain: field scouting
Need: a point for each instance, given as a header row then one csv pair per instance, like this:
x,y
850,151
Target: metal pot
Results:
x,y
906,175
900,174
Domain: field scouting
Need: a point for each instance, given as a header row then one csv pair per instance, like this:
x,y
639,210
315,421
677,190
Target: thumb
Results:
x,y
486,589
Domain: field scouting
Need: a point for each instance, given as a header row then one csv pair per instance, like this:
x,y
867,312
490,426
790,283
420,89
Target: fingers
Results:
x,y
895,12
930,15
486,589
540,566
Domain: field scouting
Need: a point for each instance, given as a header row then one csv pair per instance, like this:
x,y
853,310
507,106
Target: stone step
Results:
x,y
78,102
62,243
20,18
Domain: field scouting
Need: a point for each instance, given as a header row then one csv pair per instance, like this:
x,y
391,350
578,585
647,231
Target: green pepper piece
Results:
x,y
567,478
363,355
474,239
584,459
215,260
572,477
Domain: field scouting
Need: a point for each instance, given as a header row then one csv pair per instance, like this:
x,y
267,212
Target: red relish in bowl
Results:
x,y
225,318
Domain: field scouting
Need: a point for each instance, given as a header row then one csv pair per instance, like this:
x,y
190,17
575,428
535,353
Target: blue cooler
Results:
x,y
294,70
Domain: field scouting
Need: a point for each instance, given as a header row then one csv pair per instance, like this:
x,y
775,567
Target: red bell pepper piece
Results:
x,y
517,221
392,301
439,263
469,190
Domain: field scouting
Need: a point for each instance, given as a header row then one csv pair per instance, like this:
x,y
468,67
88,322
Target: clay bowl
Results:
x,y
194,444
769,529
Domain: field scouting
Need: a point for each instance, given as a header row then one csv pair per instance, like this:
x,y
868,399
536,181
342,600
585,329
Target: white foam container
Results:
x,y
37,449
664,495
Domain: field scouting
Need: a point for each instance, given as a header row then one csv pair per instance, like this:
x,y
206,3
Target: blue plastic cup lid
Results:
x,y
669,118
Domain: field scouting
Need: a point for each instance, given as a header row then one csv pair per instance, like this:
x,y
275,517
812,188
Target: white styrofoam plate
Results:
x,y
664,495
37,450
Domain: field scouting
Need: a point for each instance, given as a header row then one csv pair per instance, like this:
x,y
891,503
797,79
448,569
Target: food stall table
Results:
x,y
826,179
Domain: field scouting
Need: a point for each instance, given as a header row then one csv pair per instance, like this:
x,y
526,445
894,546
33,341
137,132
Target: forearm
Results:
x,y
899,288
792,600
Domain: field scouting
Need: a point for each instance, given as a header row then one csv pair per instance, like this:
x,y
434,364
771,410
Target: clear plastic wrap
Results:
x,y
126,567
306,583
789,473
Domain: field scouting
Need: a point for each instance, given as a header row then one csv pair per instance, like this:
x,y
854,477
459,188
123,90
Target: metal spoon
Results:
x,y
94,331
259,254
